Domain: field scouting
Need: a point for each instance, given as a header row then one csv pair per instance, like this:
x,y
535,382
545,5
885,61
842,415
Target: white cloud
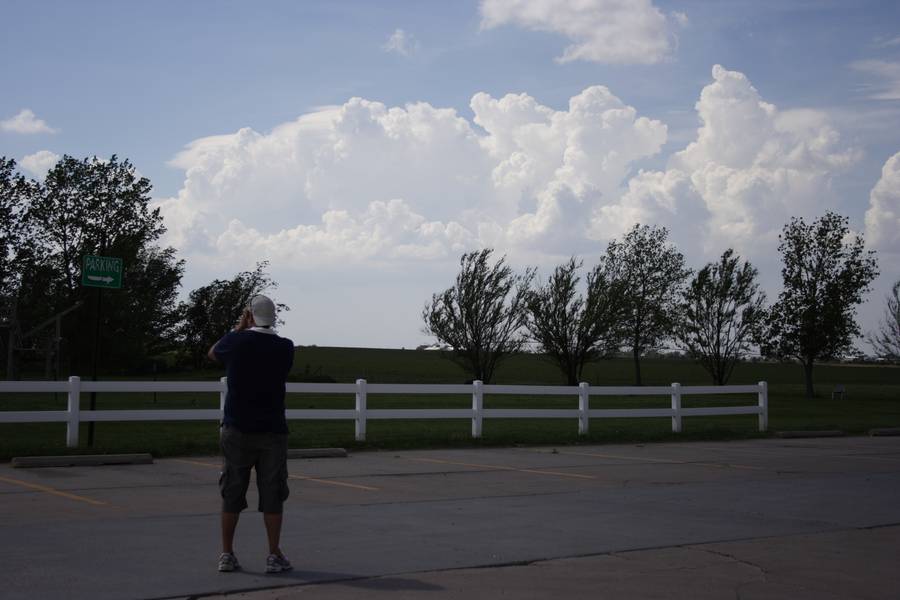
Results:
x,y
365,189
25,122
886,76
402,43
883,216
606,31
40,162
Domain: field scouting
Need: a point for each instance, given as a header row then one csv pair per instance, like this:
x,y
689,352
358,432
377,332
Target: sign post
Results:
x,y
99,272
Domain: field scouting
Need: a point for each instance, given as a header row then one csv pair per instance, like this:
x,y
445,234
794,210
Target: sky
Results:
x,y
362,147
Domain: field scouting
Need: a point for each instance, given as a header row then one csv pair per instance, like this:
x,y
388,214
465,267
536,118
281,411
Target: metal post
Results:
x,y
584,406
74,409
477,408
360,410
763,406
96,358
676,406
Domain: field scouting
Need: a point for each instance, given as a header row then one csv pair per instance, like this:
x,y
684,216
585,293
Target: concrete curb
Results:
x,y
317,453
809,434
84,460
885,431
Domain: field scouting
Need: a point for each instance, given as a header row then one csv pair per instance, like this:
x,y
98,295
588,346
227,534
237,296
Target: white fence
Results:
x,y
74,387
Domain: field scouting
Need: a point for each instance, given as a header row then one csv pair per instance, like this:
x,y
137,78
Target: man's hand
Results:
x,y
246,321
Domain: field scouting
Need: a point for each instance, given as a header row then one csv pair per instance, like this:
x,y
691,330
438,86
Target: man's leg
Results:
x,y
229,524
273,532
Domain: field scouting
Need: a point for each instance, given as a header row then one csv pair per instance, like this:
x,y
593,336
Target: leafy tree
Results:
x,y
93,206
886,341
722,310
826,272
212,310
655,275
573,329
481,316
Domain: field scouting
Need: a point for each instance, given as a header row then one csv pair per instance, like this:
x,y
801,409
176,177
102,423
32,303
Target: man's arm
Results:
x,y
245,322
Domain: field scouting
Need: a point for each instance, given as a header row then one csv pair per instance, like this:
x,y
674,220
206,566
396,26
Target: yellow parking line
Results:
x,y
503,468
53,491
303,477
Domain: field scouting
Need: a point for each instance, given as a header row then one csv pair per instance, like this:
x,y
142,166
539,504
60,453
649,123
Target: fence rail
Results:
x,y
74,387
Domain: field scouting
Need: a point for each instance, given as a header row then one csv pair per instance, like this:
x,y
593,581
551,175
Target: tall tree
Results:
x,y
886,340
211,310
482,315
94,206
16,248
656,275
574,329
826,272
721,312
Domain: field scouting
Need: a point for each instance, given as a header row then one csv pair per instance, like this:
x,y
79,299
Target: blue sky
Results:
x,y
147,80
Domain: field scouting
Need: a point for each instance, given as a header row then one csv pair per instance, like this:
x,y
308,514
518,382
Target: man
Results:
x,y
254,431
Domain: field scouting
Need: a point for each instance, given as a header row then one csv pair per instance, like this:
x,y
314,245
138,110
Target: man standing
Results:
x,y
254,431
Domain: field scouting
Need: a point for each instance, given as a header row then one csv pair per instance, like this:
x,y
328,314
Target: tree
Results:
x,y
212,310
721,310
886,341
92,206
654,271
481,316
573,329
826,272
15,248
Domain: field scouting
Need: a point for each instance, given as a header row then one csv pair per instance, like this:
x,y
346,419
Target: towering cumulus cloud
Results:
x,y
883,216
364,183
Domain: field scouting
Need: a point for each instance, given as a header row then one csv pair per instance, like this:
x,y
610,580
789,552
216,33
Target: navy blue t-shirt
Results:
x,y
257,365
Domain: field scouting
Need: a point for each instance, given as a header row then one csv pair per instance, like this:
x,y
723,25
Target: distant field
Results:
x,y
872,399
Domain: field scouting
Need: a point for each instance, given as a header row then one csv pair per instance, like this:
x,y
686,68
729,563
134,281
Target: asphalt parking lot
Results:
x,y
816,518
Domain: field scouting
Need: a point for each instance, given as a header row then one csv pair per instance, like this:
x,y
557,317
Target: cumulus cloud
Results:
x,y
365,179
885,75
883,215
374,188
401,43
40,162
25,122
606,31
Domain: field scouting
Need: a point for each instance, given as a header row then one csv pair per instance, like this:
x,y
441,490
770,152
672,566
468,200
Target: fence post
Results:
x,y
477,408
763,406
360,410
676,406
223,391
74,410
584,405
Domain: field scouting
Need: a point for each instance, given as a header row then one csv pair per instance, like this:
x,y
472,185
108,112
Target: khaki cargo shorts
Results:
x,y
241,452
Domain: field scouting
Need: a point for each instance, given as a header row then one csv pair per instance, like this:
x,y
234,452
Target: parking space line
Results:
x,y
53,491
302,477
503,468
665,461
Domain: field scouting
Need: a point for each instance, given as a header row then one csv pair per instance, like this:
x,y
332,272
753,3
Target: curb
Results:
x,y
84,460
317,453
809,434
885,431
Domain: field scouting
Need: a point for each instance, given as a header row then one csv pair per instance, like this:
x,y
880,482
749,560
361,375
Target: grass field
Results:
x,y
872,399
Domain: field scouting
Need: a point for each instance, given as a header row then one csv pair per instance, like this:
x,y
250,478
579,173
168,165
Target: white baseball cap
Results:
x,y
263,310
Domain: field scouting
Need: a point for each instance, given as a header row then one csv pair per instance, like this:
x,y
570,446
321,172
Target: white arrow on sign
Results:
x,y
106,279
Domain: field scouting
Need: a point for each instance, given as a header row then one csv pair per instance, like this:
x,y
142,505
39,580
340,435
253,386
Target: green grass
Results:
x,y
872,399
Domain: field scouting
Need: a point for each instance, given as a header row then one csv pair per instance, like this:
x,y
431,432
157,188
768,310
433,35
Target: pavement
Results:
x,y
772,518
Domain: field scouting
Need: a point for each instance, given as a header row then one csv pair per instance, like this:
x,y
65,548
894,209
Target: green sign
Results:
x,y
102,272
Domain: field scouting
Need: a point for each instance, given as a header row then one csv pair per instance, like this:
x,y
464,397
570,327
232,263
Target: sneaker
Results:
x,y
228,562
277,564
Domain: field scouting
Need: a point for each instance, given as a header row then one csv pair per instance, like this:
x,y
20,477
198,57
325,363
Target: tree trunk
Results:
x,y
637,366
808,376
